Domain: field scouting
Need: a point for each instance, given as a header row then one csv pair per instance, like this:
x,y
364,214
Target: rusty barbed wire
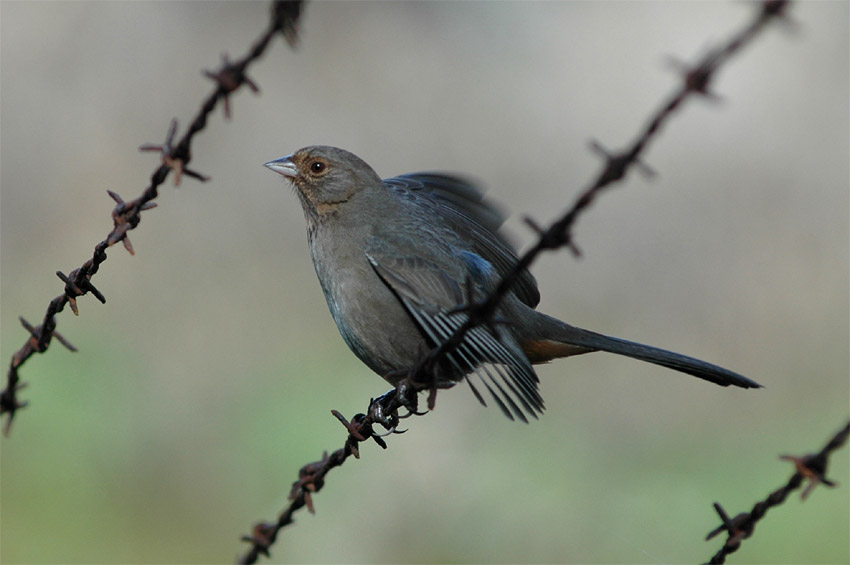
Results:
x,y
175,156
384,411
810,467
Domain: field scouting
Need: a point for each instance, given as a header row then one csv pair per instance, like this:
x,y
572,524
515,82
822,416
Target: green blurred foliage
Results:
x,y
206,380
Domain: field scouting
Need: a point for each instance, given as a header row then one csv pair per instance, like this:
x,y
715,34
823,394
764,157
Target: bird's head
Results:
x,y
325,177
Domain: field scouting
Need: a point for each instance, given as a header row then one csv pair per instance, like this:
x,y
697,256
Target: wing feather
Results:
x,y
430,297
461,205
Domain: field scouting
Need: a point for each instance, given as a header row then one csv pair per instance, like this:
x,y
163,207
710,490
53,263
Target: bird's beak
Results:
x,y
283,166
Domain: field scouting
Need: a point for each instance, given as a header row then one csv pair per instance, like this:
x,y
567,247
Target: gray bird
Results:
x,y
397,257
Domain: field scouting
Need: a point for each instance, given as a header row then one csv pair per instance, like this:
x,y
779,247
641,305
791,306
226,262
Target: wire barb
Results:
x,y
286,16
175,158
229,78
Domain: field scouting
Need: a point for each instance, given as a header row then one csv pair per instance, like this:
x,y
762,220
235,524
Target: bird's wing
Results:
x,y
432,298
463,207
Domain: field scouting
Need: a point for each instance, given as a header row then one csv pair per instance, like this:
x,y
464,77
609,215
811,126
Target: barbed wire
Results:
x,y
810,467
384,410
175,156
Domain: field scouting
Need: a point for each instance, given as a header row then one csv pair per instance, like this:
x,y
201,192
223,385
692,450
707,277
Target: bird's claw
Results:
x,y
390,431
410,413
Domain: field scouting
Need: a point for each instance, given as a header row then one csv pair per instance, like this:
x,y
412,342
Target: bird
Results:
x,y
399,258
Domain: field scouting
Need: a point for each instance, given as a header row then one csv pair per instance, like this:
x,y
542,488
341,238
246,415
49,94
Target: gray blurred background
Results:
x,y
206,381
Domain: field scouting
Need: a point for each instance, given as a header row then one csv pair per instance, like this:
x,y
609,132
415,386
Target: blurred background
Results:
x,y
207,379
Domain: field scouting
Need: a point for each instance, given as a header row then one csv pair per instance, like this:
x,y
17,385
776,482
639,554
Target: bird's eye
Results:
x,y
317,167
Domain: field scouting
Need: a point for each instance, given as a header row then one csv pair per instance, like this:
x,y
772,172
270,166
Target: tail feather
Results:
x,y
565,340
676,361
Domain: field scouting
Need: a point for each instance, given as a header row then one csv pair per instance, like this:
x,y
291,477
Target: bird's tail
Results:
x,y
558,339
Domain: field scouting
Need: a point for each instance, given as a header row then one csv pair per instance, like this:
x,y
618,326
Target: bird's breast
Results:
x,y
369,316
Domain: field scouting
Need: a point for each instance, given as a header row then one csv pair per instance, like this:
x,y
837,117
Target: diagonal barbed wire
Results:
x,y
175,157
696,81
384,411
810,467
